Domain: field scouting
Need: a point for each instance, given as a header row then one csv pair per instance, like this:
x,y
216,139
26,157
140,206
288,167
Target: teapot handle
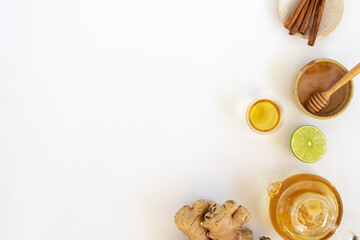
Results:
x,y
344,234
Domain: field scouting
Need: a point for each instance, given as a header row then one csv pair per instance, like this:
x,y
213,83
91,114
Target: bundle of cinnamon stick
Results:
x,y
302,16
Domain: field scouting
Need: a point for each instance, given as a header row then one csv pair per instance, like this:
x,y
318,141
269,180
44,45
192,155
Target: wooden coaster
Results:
x,y
331,17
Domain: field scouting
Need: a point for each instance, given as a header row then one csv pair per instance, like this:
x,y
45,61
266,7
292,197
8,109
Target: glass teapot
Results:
x,y
307,207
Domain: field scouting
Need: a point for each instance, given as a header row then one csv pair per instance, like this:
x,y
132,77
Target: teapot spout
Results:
x,y
274,189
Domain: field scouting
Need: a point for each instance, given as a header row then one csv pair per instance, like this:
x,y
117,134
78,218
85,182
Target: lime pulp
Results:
x,y
308,144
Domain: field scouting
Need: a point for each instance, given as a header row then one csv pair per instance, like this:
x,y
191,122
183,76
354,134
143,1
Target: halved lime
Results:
x,y
308,144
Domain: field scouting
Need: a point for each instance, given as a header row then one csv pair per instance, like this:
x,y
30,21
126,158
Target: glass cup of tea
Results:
x,y
307,207
264,115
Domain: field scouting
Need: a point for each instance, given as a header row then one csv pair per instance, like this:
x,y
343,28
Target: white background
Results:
x,y
114,114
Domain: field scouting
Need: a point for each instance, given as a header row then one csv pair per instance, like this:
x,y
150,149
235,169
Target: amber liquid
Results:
x,y
307,207
264,115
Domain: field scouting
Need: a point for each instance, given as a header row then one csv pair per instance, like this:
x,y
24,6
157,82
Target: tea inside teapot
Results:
x,y
313,214
305,206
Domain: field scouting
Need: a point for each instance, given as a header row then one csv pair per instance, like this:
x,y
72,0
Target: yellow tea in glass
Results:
x,y
305,207
263,115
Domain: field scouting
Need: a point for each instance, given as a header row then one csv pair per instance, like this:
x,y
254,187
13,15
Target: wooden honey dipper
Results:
x,y
319,100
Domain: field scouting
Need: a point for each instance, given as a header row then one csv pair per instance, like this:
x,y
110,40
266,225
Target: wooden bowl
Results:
x,y
331,17
318,76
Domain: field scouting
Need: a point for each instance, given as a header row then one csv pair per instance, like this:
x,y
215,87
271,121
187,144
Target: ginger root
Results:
x,y
209,221
245,234
223,222
188,220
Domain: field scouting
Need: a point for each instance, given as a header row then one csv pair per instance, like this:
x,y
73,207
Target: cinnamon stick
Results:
x,y
295,28
294,15
308,17
315,27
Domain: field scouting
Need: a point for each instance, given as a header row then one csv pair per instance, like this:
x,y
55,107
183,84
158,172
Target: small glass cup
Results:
x,y
264,115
